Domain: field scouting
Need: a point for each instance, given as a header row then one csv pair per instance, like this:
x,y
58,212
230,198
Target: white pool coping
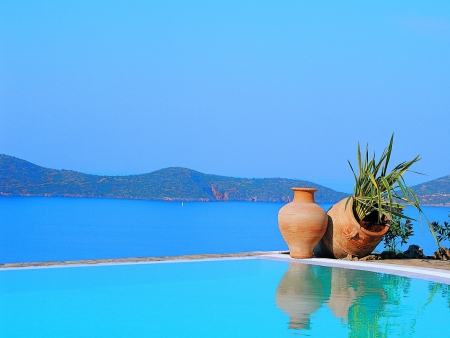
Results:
x,y
430,274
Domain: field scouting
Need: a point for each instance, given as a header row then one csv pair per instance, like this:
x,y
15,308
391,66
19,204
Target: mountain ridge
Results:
x,y
22,178
19,177
435,192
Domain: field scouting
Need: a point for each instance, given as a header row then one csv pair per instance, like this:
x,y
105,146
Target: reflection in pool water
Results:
x,y
369,304
223,298
300,294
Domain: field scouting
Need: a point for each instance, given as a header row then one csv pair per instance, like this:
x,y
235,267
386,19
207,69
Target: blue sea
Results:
x,y
54,229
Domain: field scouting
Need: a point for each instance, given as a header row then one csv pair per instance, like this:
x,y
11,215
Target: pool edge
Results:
x,y
429,274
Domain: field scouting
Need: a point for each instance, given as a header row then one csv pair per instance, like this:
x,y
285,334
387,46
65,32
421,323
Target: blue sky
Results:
x,y
237,88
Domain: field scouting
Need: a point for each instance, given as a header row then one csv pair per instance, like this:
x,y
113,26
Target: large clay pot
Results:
x,y
302,223
345,236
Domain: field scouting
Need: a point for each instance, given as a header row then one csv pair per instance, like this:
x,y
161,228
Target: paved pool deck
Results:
x,y
428,269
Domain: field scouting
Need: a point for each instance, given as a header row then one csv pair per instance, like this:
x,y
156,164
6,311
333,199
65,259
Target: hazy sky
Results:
x,y
237,88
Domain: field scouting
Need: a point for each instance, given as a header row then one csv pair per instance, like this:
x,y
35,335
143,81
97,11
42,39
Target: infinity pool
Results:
x,y
221,298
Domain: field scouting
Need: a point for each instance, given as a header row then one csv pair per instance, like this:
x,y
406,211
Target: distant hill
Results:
x,y
22,178
435,192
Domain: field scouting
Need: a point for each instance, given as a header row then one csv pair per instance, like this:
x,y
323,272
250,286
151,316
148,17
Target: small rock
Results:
x,y
347,258
388,255
350,258
370,258
442,253
414,251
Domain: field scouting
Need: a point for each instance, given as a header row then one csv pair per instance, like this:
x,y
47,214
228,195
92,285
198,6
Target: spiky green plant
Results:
x,y
380,191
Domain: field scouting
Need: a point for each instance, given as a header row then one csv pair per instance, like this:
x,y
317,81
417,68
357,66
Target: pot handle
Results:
x,y
352,235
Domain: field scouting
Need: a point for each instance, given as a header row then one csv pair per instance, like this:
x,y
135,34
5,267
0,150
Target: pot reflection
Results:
x,y
356,297
299,294
343,293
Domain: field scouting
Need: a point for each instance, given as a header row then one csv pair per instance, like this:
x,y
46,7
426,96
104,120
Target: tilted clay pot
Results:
x,y
345,236
302,223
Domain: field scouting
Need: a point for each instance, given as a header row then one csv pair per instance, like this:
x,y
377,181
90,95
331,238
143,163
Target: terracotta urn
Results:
x,y
345,236
302,223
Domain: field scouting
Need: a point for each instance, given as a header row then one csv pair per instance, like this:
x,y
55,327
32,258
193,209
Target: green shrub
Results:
x,y
442,231
399,232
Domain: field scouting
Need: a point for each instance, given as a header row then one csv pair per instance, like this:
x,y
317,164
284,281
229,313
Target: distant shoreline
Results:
x,y
178,200
21,178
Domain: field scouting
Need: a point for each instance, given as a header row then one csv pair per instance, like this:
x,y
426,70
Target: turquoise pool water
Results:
x,y
220,298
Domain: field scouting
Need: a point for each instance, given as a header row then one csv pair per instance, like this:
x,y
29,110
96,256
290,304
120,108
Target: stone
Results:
x,y
350,258
388,255
414,251
370,258
442,253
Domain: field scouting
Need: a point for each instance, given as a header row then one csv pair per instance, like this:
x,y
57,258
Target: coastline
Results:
x,y
200,200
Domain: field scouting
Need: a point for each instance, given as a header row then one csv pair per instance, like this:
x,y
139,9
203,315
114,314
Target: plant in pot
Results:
x,y
357,224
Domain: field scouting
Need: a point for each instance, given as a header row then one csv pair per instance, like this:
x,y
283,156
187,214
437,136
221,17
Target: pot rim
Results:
x,y
303,189
349,211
